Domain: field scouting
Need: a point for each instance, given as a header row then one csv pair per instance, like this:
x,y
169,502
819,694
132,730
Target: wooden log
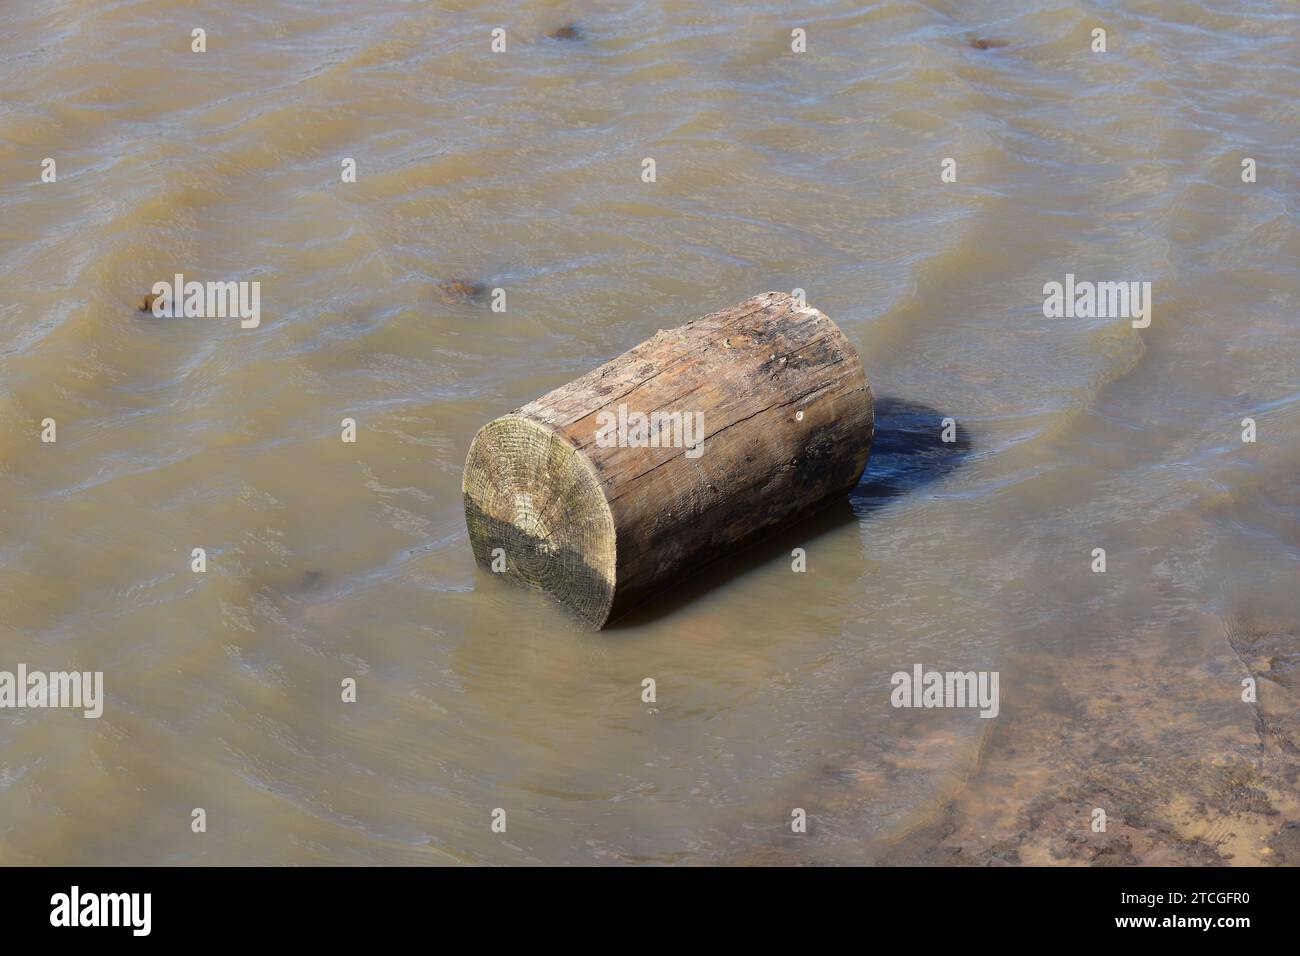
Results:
x,y
602,493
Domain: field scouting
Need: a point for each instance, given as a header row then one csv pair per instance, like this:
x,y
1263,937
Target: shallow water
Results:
x,y
522,171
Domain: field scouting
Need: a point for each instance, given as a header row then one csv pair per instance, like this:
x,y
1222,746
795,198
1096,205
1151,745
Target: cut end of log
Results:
x,y
536,514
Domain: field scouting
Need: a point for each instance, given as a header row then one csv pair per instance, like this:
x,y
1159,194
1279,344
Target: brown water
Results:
x,y
522,171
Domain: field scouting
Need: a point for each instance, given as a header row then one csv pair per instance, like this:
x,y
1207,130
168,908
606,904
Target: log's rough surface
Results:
x,y
787,418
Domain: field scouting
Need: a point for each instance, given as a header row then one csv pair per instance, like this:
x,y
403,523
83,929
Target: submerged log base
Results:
x,y
601,524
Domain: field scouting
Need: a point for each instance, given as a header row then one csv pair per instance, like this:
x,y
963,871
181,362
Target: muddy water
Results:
x,y
522,171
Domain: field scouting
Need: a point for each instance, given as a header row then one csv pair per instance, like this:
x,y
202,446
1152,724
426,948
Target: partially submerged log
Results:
x,y
671,455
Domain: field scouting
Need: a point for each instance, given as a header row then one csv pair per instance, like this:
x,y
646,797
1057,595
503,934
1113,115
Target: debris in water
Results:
x,y
458,290
980,43
570,31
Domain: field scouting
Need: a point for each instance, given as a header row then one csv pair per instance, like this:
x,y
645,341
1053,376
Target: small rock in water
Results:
x,y
458,290
149,300
980,43
570,31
